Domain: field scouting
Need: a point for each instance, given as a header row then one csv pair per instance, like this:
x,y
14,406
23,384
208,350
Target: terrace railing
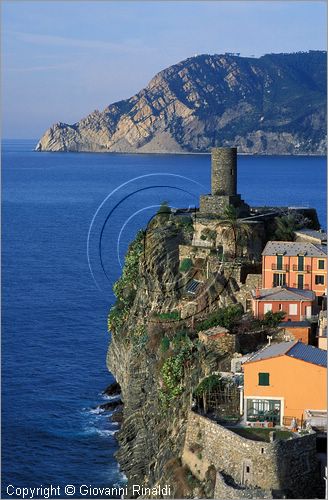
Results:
x,y
303,269
284,267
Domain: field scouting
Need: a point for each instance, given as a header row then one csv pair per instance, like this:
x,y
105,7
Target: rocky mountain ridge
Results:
x,y
275,104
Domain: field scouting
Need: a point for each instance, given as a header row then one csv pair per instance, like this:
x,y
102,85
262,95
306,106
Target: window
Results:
x,y
263,409
319,279
279,262
267,308
280,307
264,378
321,264
301,262
293,309
279,279
300,281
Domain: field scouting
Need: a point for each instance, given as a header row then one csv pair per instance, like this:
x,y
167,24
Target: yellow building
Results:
x,y
282,381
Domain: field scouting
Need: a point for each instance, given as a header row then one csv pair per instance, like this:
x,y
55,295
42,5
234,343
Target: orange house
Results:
x,y
296,304
282,381
295,264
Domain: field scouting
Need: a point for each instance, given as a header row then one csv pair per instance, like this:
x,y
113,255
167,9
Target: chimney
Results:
x,y
257,293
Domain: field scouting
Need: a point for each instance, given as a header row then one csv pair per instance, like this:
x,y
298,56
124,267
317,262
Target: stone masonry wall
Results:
x,y
290,465
224,490
224,171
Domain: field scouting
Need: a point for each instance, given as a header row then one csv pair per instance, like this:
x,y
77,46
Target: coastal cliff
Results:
x,y
146,344
166,363
275,104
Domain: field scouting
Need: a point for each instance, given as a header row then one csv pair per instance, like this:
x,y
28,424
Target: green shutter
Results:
x,y
264,378
279,262
301,262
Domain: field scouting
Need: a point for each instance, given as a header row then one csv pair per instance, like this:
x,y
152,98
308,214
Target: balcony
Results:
x,y
305,269
283,268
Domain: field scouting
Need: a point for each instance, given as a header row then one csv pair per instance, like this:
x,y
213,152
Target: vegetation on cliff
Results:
x,y
126,287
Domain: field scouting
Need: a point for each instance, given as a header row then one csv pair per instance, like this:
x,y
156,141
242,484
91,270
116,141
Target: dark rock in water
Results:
x,y
117,416
111,405
112,389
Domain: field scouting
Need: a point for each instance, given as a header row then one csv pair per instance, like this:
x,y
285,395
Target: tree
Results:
x,y
164,208
272,319
234,227
287,225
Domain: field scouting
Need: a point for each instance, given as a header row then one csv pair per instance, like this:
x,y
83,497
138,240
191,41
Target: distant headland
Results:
x,y
274,104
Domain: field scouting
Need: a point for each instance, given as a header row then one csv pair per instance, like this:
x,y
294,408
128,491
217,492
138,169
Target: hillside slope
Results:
x,y
275,104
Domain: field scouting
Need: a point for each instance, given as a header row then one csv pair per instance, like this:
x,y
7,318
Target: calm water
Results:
x,y
54,337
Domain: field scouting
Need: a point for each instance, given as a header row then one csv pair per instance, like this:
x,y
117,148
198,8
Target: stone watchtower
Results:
x,y
224,171
223,184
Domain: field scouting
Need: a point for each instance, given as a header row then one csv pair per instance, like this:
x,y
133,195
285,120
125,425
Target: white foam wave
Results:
x,y
92,431
115,397
96,411
105,432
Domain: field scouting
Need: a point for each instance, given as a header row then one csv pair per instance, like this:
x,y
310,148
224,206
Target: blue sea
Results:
x,y
66,222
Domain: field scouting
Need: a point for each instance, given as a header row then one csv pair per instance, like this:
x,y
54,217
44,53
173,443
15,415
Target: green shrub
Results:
x,y
208,234
227,317
272,319
186,224
173,315
125,287
165,344
208,384
185,265
172,372
139,338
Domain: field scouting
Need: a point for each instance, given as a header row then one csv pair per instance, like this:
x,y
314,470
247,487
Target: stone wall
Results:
x,y
191,252
226,343
289,466
244,295
226,491
216,204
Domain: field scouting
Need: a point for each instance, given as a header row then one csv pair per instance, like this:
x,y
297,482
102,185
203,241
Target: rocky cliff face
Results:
x,y
275,104
152,435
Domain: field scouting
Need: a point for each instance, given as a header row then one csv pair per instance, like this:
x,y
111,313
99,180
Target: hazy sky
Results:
x,y
61,60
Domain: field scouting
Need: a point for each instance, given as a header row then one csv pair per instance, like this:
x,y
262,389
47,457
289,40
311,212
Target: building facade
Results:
x,y
296,304
283,381
299,265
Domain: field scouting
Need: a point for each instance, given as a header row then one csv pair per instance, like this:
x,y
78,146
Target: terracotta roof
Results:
x,y
295,349
293,248
281,293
